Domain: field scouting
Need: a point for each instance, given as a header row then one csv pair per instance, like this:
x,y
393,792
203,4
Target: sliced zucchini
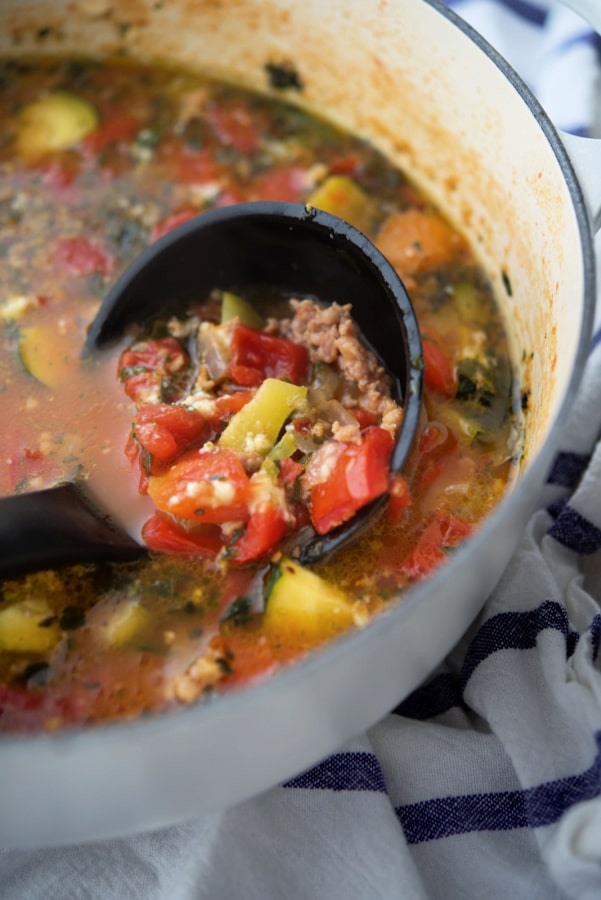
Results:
x,y
29,626
42,358
233,306
126,622
343,197
13,308
256,426
286,446
304,609
54,121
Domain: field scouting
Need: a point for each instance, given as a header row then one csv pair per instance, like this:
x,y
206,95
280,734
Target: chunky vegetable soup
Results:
x,y
228,436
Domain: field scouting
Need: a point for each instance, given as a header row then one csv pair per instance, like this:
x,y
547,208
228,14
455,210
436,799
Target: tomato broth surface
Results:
x,y
98,161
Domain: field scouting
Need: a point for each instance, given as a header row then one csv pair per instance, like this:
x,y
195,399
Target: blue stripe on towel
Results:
x,y
500,811
573,530
357,771
513,631
434,698
568,469
595,630
505,631
442,817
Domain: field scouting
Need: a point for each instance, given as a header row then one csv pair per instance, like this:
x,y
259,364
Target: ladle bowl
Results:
x,y
255,249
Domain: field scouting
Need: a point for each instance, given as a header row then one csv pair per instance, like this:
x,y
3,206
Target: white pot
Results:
x,y
411,77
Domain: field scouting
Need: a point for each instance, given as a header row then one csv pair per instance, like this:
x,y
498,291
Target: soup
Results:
x,y
96,162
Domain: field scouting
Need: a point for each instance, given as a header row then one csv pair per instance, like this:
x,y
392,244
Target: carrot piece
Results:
x,y
417,241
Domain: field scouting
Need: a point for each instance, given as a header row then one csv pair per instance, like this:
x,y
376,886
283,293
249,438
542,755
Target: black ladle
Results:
x,y
269,248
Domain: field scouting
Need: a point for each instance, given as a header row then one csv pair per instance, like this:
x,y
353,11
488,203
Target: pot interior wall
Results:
x,y
402,75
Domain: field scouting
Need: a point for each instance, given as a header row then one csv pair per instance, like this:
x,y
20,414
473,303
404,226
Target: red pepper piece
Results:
x,y
360,475
257,356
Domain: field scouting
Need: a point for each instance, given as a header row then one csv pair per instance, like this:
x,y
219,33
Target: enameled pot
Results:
x,y
416,81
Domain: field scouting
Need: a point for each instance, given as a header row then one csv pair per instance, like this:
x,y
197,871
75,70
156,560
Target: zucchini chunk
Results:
x,y
304,609
233,306
257,425
29,626
54,121
342,197
40,358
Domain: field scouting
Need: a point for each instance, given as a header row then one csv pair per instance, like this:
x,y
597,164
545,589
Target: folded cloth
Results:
x,y
486,781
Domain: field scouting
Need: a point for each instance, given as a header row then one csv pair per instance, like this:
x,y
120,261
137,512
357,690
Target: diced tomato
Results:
x,y
172,221
188,165
444,532
346,165
117,129
360,475
265,528
235,127
27,709
363,416
81,255
290,470
165,430
437,444
32,454
59,173
228,404
143,366
206,485
162,534
438,373
257,356
287,183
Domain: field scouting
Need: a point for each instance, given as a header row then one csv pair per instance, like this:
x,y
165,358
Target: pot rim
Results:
x,y
121,730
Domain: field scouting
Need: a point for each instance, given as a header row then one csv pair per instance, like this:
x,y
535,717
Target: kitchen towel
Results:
x,y
486,781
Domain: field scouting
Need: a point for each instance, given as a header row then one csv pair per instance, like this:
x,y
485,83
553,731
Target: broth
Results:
x,y
97,161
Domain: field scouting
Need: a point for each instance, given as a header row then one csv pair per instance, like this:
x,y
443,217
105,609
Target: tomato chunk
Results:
x,y
143,367
206,485
161,533
119,128
81,255
257,356
360,475
235,127
287,183
265,528
165,430
439,374
444,532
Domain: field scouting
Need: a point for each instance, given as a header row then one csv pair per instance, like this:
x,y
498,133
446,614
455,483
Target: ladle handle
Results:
x,y
584,152
57,527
